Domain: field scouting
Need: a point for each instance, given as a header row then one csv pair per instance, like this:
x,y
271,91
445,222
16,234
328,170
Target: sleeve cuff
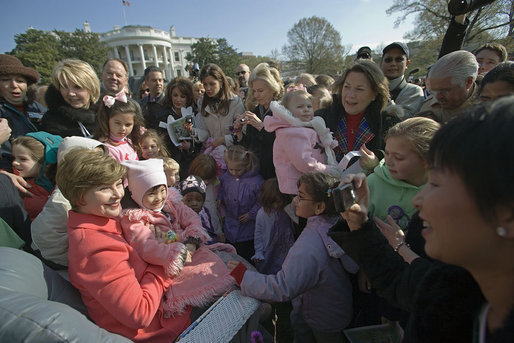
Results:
x,y
238,273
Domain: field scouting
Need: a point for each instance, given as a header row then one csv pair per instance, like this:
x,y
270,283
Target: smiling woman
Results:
x,y
71,97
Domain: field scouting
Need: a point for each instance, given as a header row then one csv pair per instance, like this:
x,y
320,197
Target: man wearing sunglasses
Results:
x,y
394,62
243,74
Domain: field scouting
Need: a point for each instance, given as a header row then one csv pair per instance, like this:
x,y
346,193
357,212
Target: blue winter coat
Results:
x,y
237,197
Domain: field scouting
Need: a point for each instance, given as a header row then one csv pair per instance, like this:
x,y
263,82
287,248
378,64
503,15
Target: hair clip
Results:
x,y
329,193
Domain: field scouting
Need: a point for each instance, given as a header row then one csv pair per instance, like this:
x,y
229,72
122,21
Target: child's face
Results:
x,y
403,163
236,169
154,198
198,92
301,108
305,206
172,177
178,99
150,148
194,200
23,162
103,200
121,124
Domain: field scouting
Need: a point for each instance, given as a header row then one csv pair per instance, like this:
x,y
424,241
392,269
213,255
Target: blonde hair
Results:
x,y
153,134
305,79
83,169
286,100
238,153
70,71
203,166
418,131
170,164
36,148
271,76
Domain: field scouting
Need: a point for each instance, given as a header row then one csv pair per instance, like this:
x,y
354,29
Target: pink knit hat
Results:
x,y
143,175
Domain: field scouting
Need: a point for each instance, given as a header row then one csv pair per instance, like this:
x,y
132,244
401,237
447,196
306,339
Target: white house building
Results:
x,y
142,46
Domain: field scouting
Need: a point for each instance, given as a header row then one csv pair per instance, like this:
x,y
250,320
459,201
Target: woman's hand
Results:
x,y
188,125
253,120
391,231
21,185
218,141
357,214
185,145
368,160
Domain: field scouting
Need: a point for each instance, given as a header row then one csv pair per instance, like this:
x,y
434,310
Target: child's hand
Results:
x,y
357,214
390,230
244,218
191,248
368,160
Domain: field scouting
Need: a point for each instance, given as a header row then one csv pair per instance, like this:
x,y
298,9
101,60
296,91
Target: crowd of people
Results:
x,y
138,196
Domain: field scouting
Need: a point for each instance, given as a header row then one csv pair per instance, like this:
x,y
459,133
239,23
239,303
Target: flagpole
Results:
x,y
124,16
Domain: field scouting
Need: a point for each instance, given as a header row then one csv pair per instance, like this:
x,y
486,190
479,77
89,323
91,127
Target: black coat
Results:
x,y
261,143
62,119
443,300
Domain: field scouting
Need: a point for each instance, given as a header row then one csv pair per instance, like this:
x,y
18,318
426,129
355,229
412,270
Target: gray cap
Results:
x,y
399,45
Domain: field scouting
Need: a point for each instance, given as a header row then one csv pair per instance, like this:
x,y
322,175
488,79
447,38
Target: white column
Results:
x,y
156,60
172,60
129,61
116,54
142,53
166,66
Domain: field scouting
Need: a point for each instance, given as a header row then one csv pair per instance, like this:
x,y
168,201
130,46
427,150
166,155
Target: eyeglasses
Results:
x,y
242,72
399,59
298,198
147,90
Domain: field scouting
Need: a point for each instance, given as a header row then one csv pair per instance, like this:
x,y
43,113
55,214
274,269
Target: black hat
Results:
x,y
399,45
364,52
193,183
11,65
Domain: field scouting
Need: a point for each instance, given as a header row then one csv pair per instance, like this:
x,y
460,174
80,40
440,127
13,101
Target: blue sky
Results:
x,y
257,26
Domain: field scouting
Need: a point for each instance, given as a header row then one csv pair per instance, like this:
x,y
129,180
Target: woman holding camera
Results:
x,y
467,208
264,86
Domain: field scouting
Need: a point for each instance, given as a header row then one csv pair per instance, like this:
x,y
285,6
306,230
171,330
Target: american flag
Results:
x,y
125,3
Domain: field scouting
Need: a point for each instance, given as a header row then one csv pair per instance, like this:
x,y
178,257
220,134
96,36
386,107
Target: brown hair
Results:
x,y
36,148
220,101
153,134
270,196
83,169
203,166
497,48
185,86
319,186
105,113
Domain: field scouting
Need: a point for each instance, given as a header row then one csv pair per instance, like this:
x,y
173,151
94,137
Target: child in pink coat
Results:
x,y
303,143
166,232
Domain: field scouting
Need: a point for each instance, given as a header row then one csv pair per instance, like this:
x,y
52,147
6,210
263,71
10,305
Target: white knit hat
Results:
x,y
72,142
143,175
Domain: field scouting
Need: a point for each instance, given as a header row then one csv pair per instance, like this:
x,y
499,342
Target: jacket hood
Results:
x,y
56,102
51,143
382,172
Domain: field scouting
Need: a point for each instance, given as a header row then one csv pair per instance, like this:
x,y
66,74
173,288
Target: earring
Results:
x,y
501,231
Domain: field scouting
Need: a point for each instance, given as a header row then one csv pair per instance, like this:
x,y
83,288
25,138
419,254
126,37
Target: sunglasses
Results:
x,y
396,59
241,72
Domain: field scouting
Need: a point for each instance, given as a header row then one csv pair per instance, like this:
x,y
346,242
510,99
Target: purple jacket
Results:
x,y
314,275
237,197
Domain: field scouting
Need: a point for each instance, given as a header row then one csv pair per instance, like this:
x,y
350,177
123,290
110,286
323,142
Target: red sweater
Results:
x,y
123,294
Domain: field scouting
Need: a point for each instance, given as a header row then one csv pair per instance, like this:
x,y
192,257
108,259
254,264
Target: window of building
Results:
x,y
179,72
177,57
